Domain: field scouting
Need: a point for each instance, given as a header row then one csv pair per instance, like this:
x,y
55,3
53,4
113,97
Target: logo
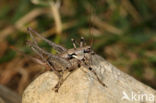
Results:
x,y
137,97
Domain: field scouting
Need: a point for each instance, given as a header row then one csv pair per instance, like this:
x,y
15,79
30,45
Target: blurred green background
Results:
x,y
121,31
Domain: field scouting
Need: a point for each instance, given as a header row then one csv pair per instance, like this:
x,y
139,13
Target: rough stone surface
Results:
x,y
82,87
1,100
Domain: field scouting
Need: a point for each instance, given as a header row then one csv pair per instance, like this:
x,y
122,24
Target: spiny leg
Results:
x,y
61,79
91,69
36,48
39,51
34,45
55,46
63,61
94,72
42,52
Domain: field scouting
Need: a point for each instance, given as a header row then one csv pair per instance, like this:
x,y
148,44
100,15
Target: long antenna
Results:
x,y
90,25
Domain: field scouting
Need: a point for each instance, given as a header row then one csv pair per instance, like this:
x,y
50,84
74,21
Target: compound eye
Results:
x,y
87,50
92,53
71,56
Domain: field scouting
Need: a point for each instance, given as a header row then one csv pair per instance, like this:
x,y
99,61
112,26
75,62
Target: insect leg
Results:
x,y
59,83
55,46
91,69
37,48
94,72
42,52
33,45
61,80
51,57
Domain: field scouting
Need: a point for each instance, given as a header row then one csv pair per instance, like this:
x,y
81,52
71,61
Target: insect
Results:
x,y
65,59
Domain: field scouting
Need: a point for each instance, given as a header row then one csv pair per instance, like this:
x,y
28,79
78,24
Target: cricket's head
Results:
x,y
88,52
83,53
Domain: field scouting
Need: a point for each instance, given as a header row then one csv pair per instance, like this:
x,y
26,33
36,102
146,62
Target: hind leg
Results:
x,y
57,47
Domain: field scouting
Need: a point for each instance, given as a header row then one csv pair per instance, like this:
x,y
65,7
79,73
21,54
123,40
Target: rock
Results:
x,y
82,87
78,88
1,100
